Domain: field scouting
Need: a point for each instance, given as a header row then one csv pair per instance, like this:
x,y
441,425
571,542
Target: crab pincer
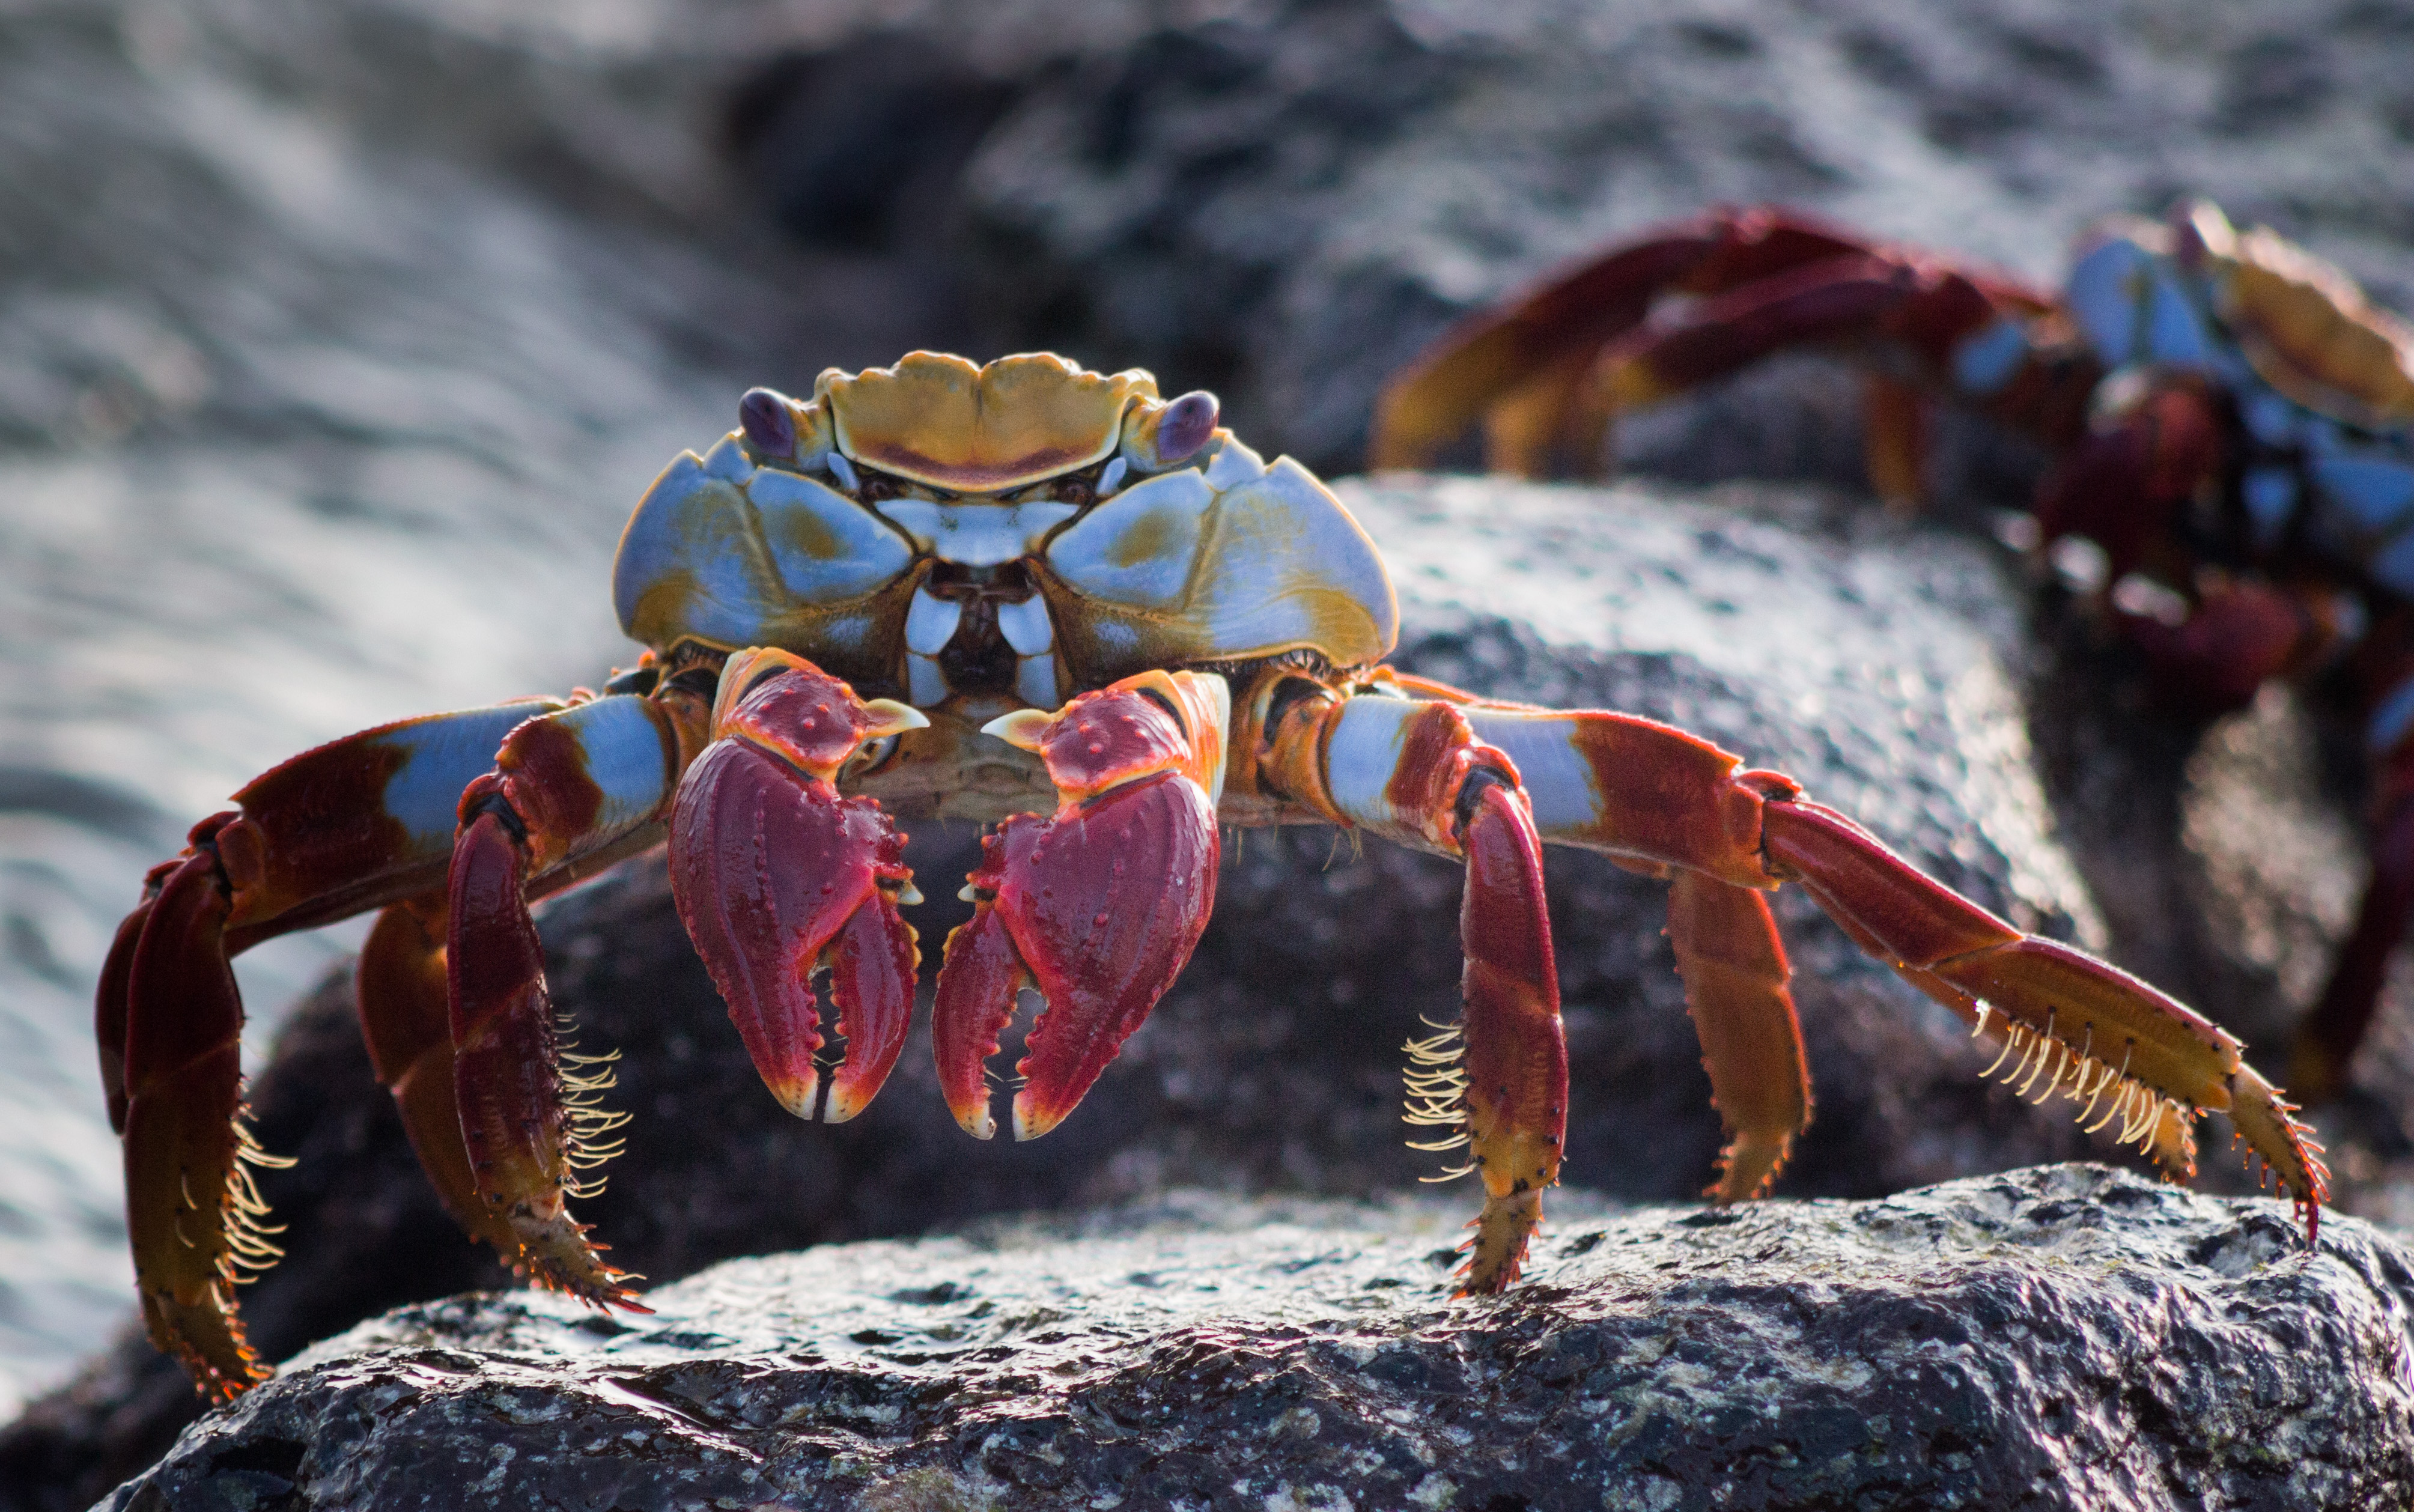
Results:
x,y
1098,905
777,878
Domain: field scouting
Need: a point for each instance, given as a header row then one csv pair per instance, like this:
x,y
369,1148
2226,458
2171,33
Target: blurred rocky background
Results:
x,y
337,338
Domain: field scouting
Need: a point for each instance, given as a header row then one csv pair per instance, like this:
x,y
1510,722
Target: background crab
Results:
x,y
2232,425
1092,617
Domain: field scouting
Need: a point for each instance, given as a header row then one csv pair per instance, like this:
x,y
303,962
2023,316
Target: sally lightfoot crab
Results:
x,y
1046,600
2232,424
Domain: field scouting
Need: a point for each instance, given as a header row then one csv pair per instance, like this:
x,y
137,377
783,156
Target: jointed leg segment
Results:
x,y
1393,754
355,823
1414,771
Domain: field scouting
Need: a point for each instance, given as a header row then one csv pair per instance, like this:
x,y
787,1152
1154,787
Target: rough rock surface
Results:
x,y
1876,675
2069,1337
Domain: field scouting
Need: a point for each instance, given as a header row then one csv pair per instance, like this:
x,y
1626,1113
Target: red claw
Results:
x,y
1098,906
777,876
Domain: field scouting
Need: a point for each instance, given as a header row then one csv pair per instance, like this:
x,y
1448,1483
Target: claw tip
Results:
x,y
1030,1122
890,718
798,1094
1023,728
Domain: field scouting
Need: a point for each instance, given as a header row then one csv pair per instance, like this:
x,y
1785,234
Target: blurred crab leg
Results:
x,y
1415,772
1098,905
190,1212
1643,790
777,876
356,822
407,1023
2126,484
569,791
1543,338
1843,296
2328,1037
1733,966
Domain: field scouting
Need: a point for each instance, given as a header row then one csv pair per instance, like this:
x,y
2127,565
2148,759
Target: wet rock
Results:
x,y
2069,1337
1871,662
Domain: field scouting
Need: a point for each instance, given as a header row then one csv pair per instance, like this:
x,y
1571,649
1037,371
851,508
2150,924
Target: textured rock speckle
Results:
x,y
2062,1337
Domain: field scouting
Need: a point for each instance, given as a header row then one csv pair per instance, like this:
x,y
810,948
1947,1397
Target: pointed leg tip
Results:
x,y
976,1120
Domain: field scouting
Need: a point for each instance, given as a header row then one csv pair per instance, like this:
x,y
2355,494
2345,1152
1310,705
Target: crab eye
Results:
x,y
1184,426
766,419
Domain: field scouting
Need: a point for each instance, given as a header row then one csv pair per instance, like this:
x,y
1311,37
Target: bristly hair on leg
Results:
x,y
1436,1088
585,1079
249,1245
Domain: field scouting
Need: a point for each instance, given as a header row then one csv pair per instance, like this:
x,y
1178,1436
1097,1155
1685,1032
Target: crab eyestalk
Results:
x,y
778,878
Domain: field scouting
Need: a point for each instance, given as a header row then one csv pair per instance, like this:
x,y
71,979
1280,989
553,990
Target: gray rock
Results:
x,y
2062,1337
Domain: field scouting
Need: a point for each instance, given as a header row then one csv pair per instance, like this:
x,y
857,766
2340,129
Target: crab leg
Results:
x,y
1098,905
1734,966
405,1021
777,877
1647,792
353,824
2327,1039
190,1211
570,794
1417,773
1549,370
1524,364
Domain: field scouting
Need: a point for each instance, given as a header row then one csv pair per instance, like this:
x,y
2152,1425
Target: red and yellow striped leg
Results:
x,y
191,1212
1097,905
2090,1030
2328,1037
1894,426
1516,1065
355,823
1414,772
1735,972
1516,366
